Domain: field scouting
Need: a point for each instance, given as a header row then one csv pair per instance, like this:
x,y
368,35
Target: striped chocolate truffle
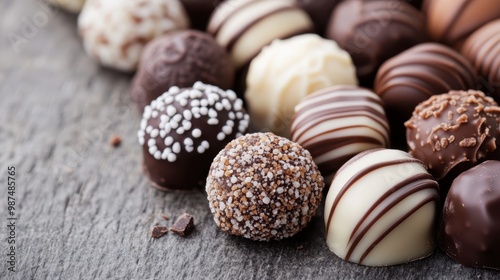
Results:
x,y
182,131
381,209
243,27
336,123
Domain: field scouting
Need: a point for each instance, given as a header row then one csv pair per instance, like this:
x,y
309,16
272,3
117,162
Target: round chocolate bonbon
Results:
x,y
263,187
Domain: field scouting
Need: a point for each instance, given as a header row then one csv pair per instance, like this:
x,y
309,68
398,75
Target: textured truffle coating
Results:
x,y
458,127
336,123
180,58
263,187
482,49
182,131
470,229
374,31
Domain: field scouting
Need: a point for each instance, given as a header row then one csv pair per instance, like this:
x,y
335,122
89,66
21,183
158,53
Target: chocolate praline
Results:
x,y
180,59
470,228
182,131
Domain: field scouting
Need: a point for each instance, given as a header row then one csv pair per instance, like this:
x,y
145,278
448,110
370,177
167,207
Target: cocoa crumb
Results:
x,y
183,225
159,231
115,141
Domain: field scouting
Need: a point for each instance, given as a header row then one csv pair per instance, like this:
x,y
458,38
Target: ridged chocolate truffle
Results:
x,y
381,209
263,187
374,31
482,49
336,123
454,130
182,131
180,58
450,22
286,71
470,229
415,75
243,27
199,11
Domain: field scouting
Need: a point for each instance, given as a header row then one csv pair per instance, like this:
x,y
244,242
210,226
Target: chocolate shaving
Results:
x,y
159,231
183,225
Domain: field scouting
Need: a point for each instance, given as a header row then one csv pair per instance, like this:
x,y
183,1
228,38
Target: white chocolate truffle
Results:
x,y
336,123
381,209
115,32
288,70
74,6
243,27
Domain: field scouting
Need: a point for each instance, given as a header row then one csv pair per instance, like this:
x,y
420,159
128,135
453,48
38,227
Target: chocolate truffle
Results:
x,y
243,27
415,75
115,32
286,71
453,129
482,49
319,11
374,31
180,58
74,6
199,11
336,123
450,22
182,131
381,209
263,187
470,229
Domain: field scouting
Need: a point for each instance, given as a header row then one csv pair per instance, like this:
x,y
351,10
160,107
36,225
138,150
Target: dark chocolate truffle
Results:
x,y
374,31
336,123
454,130
263,187
482,49
470,229
319,11
182,131
180,59
415,75
199,11
450,22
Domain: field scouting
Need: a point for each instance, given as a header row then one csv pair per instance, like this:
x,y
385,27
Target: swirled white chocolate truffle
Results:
x,y
263,187
182,131
74,6
243,27
288,70
115,32
381,209
336,123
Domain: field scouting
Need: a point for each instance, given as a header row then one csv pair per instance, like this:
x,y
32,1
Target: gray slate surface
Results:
x,y
84,209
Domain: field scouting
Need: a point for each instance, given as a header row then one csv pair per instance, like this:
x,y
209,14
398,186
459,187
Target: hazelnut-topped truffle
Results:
x,y
182,131
263,187
455,128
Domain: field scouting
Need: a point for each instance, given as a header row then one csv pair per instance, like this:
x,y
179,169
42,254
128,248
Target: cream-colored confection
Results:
x,y
288,70
115,32
74,6
243,27
381,209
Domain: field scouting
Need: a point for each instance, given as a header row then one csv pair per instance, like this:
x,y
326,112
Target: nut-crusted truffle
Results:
x,y
458,127
263,187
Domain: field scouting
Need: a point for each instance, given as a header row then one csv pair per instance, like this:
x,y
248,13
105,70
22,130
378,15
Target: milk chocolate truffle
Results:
x,y
263,187
74,6
374,31
381,209
450,22
115,32
454,130
199,11
182,131
482,49
336,123
319,11
415,75
180,58
286,71
470,229
243,27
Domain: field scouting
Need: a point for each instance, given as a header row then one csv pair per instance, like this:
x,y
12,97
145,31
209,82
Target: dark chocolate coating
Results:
x,y
374,31
319,11
470,229
180,59
454,130
199,11
415,75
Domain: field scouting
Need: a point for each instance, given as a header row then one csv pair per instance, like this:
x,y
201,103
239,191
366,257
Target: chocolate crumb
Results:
x,y
183,225
159,231
115,140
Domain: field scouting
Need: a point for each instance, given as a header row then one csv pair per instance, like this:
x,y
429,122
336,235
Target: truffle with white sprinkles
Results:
x,y
182,131
263,187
